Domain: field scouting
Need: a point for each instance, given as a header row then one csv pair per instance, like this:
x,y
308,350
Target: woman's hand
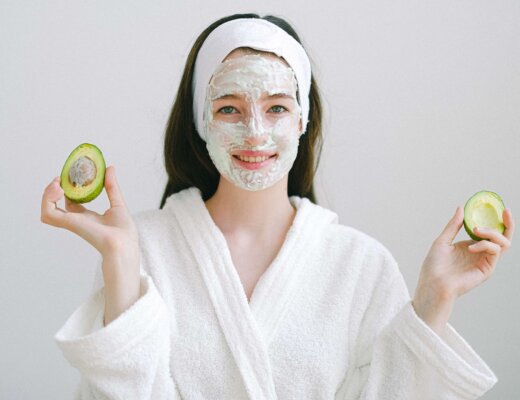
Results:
x,y
452,269
113,234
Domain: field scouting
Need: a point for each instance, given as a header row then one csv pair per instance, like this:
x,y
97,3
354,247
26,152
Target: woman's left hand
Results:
x,y
452,269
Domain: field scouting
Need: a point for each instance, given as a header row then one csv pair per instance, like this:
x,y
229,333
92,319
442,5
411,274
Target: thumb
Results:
x,y
112,187
452,228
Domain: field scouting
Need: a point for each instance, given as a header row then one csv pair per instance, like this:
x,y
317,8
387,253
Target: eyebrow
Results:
x,y
271,96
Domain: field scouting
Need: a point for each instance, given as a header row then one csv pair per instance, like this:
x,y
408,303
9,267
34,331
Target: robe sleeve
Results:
x,y
128,358
399,357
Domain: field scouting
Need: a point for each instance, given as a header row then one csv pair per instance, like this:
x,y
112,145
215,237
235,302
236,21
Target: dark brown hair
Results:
x,y
186,158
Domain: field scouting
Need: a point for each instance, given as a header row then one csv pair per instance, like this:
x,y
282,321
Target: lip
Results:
x,y
252,153
254,165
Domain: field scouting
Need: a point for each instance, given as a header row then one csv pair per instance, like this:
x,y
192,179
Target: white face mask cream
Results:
x,y
252,119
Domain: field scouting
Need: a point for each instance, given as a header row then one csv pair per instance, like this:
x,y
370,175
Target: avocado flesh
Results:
x,y
83,175
484,209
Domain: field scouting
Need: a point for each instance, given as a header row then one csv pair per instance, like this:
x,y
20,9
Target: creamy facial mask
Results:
x,y
251,105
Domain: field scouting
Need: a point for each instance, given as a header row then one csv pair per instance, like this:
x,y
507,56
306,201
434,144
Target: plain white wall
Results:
x,y
421,102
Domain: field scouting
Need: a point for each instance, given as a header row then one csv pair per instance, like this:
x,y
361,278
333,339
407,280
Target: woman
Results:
x,y
240,286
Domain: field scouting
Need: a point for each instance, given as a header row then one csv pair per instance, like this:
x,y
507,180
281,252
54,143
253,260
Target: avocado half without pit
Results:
x,y
484,209
83,175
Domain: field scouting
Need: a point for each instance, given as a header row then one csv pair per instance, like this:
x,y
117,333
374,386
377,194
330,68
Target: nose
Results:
x,y
256,140
257,135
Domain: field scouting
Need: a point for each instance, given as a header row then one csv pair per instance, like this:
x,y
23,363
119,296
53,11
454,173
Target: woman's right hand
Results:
x,y
111,233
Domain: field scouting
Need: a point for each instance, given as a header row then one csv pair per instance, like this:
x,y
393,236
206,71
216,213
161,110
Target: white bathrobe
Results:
x,y
331,318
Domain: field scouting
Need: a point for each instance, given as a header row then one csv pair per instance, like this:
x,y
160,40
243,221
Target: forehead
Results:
x,y
258,72
242,51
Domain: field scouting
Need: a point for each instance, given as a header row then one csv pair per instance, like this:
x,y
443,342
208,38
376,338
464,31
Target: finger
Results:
x,y
72,221
50,213
485,246
112,187
509,222
452,228
74,207
493,235
79,209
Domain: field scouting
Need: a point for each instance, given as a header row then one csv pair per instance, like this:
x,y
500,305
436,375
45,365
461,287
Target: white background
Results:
x,y
421,103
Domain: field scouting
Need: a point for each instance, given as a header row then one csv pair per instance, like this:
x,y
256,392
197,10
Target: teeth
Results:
x,y
252,159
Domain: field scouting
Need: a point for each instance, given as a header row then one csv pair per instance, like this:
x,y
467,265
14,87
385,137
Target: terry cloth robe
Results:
x,y
331,318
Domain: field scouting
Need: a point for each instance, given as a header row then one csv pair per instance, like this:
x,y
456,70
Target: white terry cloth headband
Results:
x,y
258,34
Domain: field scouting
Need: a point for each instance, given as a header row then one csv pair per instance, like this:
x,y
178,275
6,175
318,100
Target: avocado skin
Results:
x,y
471,234
466,225
98,188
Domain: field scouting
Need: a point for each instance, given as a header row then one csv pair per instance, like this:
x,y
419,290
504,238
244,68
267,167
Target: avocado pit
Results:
x,y
82,172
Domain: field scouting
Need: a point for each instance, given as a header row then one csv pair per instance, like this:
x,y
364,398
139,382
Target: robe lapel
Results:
x,y
226,293
274,290
249,327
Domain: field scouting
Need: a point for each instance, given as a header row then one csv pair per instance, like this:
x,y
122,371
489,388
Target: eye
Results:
x,y
227,110
278,109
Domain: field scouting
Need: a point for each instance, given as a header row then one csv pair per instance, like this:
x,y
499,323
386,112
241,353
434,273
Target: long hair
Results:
x,y
186,158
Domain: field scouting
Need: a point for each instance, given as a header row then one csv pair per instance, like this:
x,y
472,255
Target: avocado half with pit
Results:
x,y
83,175
485,209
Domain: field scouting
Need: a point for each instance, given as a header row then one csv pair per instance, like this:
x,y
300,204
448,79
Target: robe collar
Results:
x,y
249,327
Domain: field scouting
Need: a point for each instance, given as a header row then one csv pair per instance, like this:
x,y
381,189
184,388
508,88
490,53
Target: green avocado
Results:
x,y
83,175
485,209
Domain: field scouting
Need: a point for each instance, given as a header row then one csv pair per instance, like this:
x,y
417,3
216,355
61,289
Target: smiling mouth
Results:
x,y
251,163
253,160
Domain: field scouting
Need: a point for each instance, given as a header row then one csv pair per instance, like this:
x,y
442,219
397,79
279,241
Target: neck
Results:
x,y
233,208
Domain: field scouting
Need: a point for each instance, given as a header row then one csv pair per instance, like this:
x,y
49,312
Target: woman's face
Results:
x,y
252,119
